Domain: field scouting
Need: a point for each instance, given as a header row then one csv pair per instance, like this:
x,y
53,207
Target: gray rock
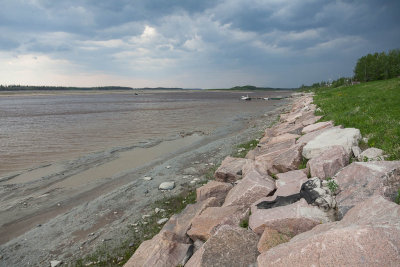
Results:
x,y
55,263
347,138
162,221
167,185
356,151
371,154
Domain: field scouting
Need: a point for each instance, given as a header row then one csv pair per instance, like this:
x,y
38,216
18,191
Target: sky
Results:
x,y
190,43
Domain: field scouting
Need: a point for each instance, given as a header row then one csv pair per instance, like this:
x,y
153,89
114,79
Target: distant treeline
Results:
x,y
378,66
372,67
57,88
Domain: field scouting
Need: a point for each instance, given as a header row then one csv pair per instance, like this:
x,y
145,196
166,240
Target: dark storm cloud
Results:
x,y
198,43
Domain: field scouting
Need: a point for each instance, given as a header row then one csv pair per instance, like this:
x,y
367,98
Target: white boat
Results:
x,y
265,98
245,97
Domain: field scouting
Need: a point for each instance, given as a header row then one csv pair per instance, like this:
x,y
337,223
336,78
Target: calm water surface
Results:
x,y
39,129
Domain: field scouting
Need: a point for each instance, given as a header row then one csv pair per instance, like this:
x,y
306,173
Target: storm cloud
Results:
x,y
191,43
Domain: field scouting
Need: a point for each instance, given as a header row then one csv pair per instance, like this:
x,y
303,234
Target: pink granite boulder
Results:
x,y
271,238
270,148
216,189
229,246
290,219
180,223
310,120
230,170
361,180
317,126
162,250
280,138
368,235
329,162
252,187
280,161
289,183
304,139
206,224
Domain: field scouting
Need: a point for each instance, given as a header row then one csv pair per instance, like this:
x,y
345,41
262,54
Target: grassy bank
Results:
x,y
372,107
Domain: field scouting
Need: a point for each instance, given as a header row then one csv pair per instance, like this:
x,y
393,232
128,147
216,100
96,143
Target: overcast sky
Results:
x,y
190,43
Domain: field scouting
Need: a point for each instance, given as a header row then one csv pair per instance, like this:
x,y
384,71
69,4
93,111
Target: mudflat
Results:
x,y
65,208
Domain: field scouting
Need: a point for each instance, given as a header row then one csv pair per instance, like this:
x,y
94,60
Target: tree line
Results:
x,y
378,66
56,88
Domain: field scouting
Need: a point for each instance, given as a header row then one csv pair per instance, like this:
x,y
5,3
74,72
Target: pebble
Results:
x,y
167,185
197,162
146,191
156,210
168,167
91,234
145,216
193,182
58,204
211,164
55,263
115,212
136,231
131,245
144,223
39,225
162,221
147,178
134,224
196,179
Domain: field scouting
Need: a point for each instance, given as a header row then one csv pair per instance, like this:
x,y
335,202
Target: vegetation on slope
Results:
x,y
372,107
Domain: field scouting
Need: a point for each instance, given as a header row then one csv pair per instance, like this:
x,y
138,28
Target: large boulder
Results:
x,y
270,148
368,235
162,250
271,238
230,170
280,161
311,120
208,222
216,189
290,219
229,246
252,187
347,138
288,183
317,126
304,139
329,162
361,180
180,223
279,138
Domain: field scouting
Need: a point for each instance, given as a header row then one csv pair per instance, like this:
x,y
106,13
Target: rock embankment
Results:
x,y
265,210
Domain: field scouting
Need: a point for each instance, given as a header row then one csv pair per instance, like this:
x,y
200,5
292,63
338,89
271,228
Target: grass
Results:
x,y
244,148
332,185
397,200
244,223
303,163
372,107
106,255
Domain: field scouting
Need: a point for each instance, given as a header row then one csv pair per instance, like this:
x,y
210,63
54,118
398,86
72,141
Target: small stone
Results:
x,y
196,162
115,212
145,216
134,224
168,167
131,245
196,179
167,185
55,263
39,225
58,204
136,231
156,210
144,223
91,234
162,221
193,182
147,178
211,164
146,191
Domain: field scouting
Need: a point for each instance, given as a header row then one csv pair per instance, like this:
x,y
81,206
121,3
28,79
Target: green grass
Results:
x,y
303,163
372,107
242,149
397,200
107,255
244,223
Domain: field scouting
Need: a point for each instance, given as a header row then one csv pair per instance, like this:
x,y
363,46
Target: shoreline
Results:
x,y
109,207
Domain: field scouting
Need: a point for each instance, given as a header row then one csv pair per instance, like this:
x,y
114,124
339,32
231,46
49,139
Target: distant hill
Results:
x,y
254,88
58,88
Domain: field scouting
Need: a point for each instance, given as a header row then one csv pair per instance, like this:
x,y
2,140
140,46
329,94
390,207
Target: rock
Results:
x,y
356,151
252,187
131,245
289,220
270,148
168,167
312,135
328,163
230,170
371,154
368,235
180,223
311,120
147,178
361,180
161,250
162,221
55,263
317,126
167,185
280,161
216,189
206,224
289,183
229,246
282,138
347,138
271,238
156,210
315,193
